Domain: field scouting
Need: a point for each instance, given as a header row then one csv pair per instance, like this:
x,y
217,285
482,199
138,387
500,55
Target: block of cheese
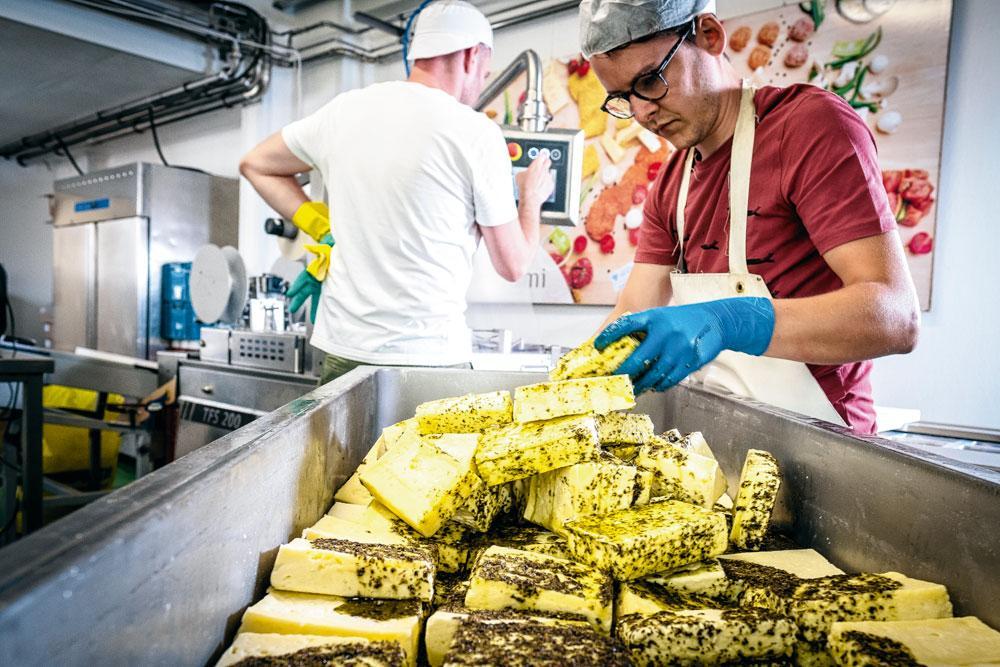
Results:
x,y
590,487
331,566
650,141
591,161
525,538
612,148
548,400
586,361
420,483
352,490
802,563
623,428
504,578
645,597
554,90
695,442
251,648
940,641
644,540
625,453
707,637
472,413
706,578
680,474
628,133
755,499
529,643
281,612
450,545
441,626
521,450
348,511
816,604
485,503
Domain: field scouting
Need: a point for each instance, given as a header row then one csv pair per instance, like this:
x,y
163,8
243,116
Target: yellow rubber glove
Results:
x,y
313,217
320,264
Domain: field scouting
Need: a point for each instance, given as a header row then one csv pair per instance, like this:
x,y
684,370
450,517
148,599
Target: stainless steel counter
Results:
x,y
159,572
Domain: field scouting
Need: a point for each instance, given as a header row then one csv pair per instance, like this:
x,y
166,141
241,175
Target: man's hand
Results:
x,y
313,217
535,184
681,339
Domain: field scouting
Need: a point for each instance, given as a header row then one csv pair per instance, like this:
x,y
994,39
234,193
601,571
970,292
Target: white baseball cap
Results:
x,y
446,27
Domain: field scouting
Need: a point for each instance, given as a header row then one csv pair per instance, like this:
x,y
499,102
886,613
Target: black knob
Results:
x,y
280,227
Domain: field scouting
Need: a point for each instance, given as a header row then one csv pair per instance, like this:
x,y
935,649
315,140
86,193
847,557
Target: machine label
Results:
x,y
217,415
91,205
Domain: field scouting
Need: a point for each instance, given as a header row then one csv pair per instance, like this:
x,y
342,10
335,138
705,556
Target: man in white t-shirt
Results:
x,y
415,177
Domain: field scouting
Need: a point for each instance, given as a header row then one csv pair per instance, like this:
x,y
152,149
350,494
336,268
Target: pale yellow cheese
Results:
x,y
803,563
472,413
554,90
505,578
586,361
640,541
450,545
680,474
312,649
650,141
755,499
706,578
591,163
521,450
624,428
352,491
645,597
348,511
282,612
485,503
940,641
420,483
611,147
590,487
332,566
628,133
695,442
597,395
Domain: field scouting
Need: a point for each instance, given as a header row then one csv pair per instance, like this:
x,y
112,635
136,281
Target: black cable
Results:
x,y
65,150
156,138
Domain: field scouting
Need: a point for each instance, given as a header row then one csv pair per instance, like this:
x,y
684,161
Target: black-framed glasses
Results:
x,y
651,87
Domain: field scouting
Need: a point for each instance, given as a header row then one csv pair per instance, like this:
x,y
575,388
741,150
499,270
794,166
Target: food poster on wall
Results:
x,y
887,59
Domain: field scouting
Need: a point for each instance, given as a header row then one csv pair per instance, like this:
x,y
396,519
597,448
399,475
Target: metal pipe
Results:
x,y
533,115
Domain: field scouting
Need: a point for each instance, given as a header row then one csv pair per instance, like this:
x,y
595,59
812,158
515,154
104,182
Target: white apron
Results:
x,y
780,382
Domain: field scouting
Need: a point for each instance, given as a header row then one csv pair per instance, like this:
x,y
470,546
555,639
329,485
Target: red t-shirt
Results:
x,y
815,184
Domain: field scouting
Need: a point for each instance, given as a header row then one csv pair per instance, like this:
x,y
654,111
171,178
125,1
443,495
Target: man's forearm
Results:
x,y
529,216
861,321
282,193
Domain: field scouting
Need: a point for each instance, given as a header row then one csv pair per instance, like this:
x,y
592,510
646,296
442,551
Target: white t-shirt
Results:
x,y
409,171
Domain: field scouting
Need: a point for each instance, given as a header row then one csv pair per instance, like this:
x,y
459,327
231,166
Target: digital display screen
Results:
x,y
555,179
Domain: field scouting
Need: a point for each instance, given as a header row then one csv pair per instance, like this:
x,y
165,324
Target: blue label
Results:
x,y
92,205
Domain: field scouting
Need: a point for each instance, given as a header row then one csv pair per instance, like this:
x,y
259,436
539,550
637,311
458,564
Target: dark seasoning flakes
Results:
x,y
354,653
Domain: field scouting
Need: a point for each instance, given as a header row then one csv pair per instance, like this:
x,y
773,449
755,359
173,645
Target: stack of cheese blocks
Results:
x,y
551,527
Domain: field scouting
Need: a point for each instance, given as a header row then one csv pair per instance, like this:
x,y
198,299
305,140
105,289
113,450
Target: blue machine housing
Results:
x,y
177,318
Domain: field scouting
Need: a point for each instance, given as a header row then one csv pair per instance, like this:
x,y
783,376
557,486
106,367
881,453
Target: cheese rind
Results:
x,y
590,487
353,569
644,540
310,649
548,400
420,483
755,499
282,612
940,641
504,578
623,428
707,637
680,474
585,360
521,450
472,413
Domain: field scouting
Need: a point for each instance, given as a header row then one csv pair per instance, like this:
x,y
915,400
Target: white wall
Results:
x,y
951,377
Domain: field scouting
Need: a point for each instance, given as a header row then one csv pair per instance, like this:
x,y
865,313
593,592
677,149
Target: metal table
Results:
x,y
31,374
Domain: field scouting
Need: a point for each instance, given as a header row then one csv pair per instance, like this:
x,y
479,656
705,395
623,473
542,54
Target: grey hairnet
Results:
x,y
608,24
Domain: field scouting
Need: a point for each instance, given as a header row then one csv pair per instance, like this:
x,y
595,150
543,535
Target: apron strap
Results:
x,y
682,197
739,180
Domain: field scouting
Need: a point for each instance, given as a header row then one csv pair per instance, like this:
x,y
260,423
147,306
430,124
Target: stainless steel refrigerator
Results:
x,y
113,231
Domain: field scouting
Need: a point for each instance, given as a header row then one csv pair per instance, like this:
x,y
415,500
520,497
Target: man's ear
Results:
x,y
469,58
711,35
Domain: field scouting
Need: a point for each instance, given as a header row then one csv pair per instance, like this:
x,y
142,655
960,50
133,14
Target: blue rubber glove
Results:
x,y
304,287
681,339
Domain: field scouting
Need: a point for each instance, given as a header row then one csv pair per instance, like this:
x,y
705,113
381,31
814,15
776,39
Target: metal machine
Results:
x,y
166,585
113,231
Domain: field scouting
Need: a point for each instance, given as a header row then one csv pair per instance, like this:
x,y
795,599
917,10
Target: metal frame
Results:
x,y
159,572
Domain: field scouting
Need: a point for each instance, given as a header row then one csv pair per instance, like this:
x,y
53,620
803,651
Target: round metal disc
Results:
x,y
211,283
238,291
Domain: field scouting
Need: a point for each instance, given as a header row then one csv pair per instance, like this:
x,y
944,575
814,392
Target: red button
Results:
x,y
514,150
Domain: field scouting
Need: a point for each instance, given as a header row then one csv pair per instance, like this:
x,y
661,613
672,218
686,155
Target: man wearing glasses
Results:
x,y
768,229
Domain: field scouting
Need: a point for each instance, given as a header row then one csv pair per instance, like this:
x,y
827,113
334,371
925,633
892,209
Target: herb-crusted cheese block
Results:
x,y
680,474
282,612
504,578
586,361
472,413
548,400
521,450
706,578
331,566
253,649
420,483
353,491
755,499
939,641
485,502
624,428
646,597
707,636
644,540
527,643
591,487
526,538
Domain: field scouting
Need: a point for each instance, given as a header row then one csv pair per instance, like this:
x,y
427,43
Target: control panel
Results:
x,y
565,150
